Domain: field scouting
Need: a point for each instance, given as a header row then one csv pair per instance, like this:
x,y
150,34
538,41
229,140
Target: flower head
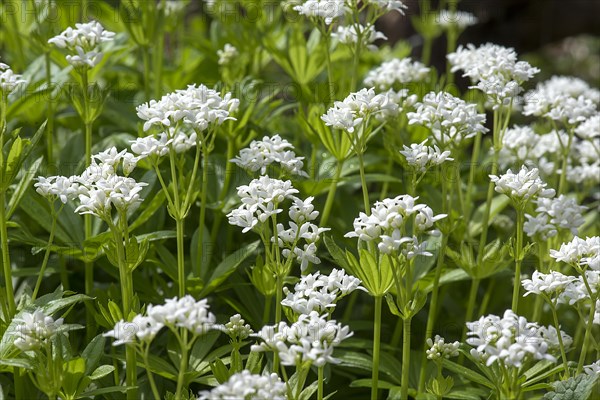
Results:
x,y
245,385
263,153
523,186
9,81
83,42
438,348
34,329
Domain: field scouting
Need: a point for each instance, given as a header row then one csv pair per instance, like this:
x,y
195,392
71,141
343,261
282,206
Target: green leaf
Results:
x,y
101,372
105,390
227,267
219,370
93,352
576,388
467,373
22,186
499,203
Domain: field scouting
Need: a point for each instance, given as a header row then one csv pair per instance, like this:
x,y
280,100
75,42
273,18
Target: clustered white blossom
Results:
x,y
450,119
523,186
511,340
495,70
263,153
98,188
178,139
581,253
359,107
236,328
396,72
84,43
246,385
422,157
590,128
185,312
228,54
261,199
34,329
438,348
387,221
561,98
552,284
319,292
388,5
561,212
460,19
196,107
172,7
327,10
9,81
311,339
349,35
593,369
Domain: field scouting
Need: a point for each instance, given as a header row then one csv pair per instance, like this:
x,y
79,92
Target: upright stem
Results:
x,y
158,63
46,255
146,61
376,345
179,222
363,181
560,341
472,169
50,113
329,70
6,267
320,384
278,298
155,392
182,364
405,359
588,328
565,158
229,168
471,304
331,193
203,194
518,259
433,308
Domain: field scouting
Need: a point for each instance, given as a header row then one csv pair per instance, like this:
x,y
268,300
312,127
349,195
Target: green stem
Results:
x,y
470,306
405,359
330,81
487,296
278,298
49,114
7,270
158,63
376,345
363,181
518,259
588,328
562,186
433,308
38,283
320,384
155,391
203,195
472,169
146,61
182,365
560,341
229,168
180,256
331,193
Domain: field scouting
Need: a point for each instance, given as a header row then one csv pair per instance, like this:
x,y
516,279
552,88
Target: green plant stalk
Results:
x,y
155,391
427,45
560,341
278,297
518,259
562,186
146,61
158,62
331,193
49,114
588,328
229,168
182,364
471,182
376,346
470,307
38,283
320,383
539,301
363,182
203,195
179,222
330,81
6,267
431,317
405,358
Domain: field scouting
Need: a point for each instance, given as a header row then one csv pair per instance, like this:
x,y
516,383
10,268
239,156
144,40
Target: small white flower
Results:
x,y
349,35
228,54
328,10
9,81
261,154
593,369
84,43
236,328
552,284
523,186
438,348
460,19
33,329
396,72
185,313
245,385
423,157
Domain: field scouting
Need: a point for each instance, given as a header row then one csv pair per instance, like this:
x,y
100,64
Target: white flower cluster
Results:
x,y
9,81
196,107
396,72
388,220
319,292
84,43
590,128
552,285
349,35
98,188
228,54
461,19
521,145
236,328
561,212
186,313
33,329
581,253
328,10
358,107
495,70
311,339
262,153
593,369
562,98
450,119
438,348
172,7
388,5
511,340
422,157
523,186
246,385
301,214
